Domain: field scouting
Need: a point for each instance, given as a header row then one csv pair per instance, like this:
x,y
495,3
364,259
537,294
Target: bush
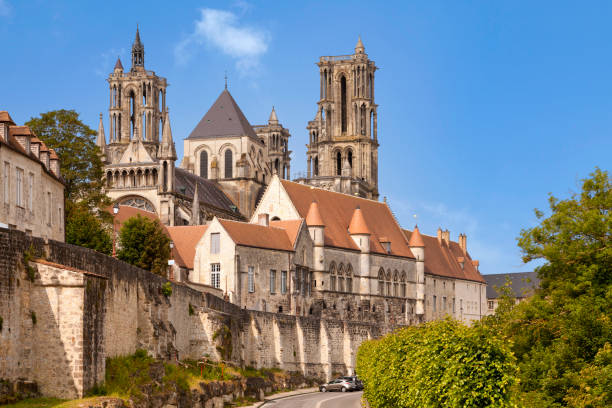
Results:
x,y
439,364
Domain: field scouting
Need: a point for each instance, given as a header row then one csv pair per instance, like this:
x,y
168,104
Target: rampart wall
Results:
x,y
65,309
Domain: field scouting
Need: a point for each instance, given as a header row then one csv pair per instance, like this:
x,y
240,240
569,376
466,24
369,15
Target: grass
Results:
x,y
51,403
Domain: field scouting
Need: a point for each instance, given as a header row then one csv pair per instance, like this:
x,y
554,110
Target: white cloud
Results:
x,y
5,8
222,30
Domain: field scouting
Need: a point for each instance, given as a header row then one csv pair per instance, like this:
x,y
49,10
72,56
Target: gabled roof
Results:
x,y
224,118
126,212
258,236
291,227
5,117
185,239
209,192
136,153
522,284
336,211
441,259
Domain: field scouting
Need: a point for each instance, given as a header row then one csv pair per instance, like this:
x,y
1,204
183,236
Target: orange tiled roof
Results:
x,y
20,130
441,259
185,239
291,227
336,211
258,236
358,225
126,212
313,218
53,155
416,240
5,117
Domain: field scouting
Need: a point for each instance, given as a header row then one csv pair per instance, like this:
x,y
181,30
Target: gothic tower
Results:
x,y
343,147
137,106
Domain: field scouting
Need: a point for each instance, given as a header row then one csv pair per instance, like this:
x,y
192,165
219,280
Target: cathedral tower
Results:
x,y
137,106
343,147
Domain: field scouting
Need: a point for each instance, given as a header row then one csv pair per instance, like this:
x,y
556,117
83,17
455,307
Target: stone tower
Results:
x,y
137,106
343,147
276,139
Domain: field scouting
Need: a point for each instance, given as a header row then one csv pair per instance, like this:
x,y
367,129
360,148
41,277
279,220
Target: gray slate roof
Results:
x,y
523,283
223,119
209,192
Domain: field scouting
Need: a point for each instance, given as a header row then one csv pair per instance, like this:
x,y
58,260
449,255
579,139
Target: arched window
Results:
x,y
403,284
350,158
389,282
372,131
341,278
395,284
165,176
109,179
332,276
343,102
338,164
277,166
132,114
381,282
363,120
316,166
349,279
154,174
204,164
229,164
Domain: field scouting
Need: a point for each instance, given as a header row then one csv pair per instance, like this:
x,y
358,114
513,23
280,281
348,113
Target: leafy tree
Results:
x,y
438,364
80,164
144,244
83,228
562,335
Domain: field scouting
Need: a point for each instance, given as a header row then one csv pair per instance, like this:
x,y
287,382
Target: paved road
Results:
x,y
318,400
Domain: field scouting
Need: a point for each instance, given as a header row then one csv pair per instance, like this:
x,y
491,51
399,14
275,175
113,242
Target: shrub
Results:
x,y
167,289
438,364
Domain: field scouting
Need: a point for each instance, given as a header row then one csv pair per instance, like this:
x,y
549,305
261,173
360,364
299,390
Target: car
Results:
x,y
342,384
358,383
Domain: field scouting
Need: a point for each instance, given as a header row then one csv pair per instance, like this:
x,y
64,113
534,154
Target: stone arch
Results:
x,y
332,276
348,153
228,163
109,179
343,104
388,279
137,201
203,159
316,166
381,281
349,278
338,161
403,284
395,283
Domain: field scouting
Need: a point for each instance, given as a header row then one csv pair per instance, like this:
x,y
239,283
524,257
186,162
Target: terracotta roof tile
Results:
x,y
126,212
416,240
358,224
258,236
313,218
337,210
291,227
185,239
20,131
53,155
442,259
5,117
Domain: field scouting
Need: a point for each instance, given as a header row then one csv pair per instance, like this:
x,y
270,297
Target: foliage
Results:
x,y
83,228
224,337
37,403
438,364
74,142
29,255
561,336
144,244
166,289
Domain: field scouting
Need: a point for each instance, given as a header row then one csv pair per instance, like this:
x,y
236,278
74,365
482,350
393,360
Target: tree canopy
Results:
x,y
144,243
562,335
83,228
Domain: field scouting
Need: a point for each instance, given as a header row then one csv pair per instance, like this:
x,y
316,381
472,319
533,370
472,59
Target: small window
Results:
x,y
444,303
283,281
491,304
215,275
7,175
214,243
434,303
251,279
454,308
272,281
19,189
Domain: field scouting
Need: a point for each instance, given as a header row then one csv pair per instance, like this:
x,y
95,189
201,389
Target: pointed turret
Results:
x,y
195,207
313,218
118,65
358,224
166,148
273,120
416,240
359,48
137,51
101,139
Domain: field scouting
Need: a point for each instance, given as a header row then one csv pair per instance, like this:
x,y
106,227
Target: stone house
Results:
x,y
32,190
521,286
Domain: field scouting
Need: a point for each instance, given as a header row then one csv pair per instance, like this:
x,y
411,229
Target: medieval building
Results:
x,y
321,245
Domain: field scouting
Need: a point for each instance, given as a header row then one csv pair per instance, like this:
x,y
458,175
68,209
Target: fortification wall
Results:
x,y
88,306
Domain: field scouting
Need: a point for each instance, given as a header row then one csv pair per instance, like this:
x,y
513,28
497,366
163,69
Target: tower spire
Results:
x,y
166,148
359,48
273,119
137,51
101,140
195,207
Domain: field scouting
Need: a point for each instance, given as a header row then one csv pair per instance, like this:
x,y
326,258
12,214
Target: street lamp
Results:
x,y
115,211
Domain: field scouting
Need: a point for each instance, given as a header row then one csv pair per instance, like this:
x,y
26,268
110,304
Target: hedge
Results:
x,y
437,364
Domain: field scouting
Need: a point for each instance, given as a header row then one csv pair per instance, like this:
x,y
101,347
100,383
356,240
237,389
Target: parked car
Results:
x,y
358,383
342,384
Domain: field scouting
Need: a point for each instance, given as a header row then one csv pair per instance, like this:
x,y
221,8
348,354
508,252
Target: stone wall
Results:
x,y
69,308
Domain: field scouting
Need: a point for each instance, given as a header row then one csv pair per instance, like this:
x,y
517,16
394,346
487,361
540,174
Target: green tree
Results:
x,y
144,243
74,143
561,336
83,228
438,364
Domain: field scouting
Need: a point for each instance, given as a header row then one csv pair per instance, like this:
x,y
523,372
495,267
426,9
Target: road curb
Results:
x,y
273,398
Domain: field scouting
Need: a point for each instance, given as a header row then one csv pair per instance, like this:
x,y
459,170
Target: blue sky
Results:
x,y
484,107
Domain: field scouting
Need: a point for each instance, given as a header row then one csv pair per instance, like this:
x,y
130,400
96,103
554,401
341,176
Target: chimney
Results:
x,y
463,242
446,236
476,264
264,219
439,235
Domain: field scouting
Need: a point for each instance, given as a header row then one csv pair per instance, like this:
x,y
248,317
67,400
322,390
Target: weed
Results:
x,y
166,289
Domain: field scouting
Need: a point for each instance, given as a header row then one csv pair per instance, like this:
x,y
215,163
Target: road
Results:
x,y
318,400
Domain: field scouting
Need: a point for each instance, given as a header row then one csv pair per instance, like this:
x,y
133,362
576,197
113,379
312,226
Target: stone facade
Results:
x,y
31,189
343,147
